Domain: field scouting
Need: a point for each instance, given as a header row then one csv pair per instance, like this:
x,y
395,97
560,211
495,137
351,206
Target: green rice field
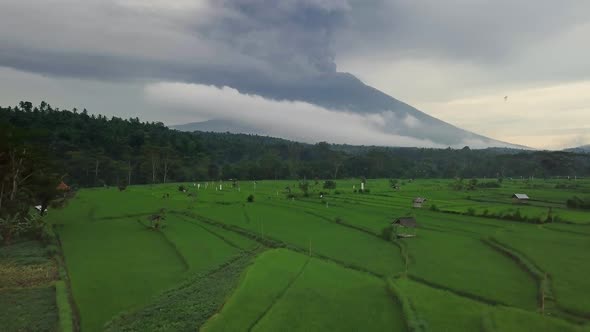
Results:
x,y
328,260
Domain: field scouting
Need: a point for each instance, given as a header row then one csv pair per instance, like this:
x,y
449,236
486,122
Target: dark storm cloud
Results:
x,y
473,30
248,43
292,36
110,40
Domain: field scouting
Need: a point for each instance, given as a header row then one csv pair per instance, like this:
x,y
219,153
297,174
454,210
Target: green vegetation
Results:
x,y
325,261
28,289
188,305
115,265
66,316
274,295
94,150
259,289
28,309
445,311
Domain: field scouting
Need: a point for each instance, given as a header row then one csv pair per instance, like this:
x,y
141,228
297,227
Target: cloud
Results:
x,y
550,117
473,30
298,121
188,40
297,50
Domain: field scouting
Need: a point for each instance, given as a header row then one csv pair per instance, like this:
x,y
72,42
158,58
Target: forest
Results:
x,y
41,146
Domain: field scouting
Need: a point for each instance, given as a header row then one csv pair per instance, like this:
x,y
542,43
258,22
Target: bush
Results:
x,y
496,184
304,187
181,188
433,207
577,203
329,184
386,233
51,250
122,187
250,199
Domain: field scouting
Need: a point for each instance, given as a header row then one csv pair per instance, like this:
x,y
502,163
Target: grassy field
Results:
x,y
445,311
29,296
125,272
288,291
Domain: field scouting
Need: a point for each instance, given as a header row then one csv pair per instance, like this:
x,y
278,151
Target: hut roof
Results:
x,y
419,200
520,196
63,186
406,221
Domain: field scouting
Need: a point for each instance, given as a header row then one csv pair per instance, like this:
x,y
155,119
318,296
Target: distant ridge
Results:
x,y
579,149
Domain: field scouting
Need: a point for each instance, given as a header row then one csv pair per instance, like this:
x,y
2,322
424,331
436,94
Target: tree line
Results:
x,y
40,146
93,150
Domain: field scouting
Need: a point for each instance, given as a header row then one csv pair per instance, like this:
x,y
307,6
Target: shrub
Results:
x,y
471,211
181,188
578,203
329,184
433,207
250,198
122,187
386,233
496,184
304,187
51,250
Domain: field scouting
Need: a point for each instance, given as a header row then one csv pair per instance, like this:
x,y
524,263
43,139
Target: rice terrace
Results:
x,y
231,256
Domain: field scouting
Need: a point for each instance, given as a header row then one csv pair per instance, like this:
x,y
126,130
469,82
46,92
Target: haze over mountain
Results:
x,y
343,92
281,68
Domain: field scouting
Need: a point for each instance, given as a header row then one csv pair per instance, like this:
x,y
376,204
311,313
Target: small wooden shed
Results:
x,y
404,227
418,202
520,198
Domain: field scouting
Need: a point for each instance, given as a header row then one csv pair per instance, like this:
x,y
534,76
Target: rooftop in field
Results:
x,y
405,222
520,196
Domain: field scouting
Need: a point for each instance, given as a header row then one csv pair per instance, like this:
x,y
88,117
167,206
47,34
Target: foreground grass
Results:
x,y
445,311
270,274
187,306
287,291
327,297
28,309
116,265
466,264
27,293
564,256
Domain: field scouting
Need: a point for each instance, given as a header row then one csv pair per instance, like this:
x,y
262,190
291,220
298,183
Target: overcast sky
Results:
x,y
455,60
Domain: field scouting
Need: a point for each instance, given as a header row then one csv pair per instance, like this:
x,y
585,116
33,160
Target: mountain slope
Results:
x,y
579,149
344,92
